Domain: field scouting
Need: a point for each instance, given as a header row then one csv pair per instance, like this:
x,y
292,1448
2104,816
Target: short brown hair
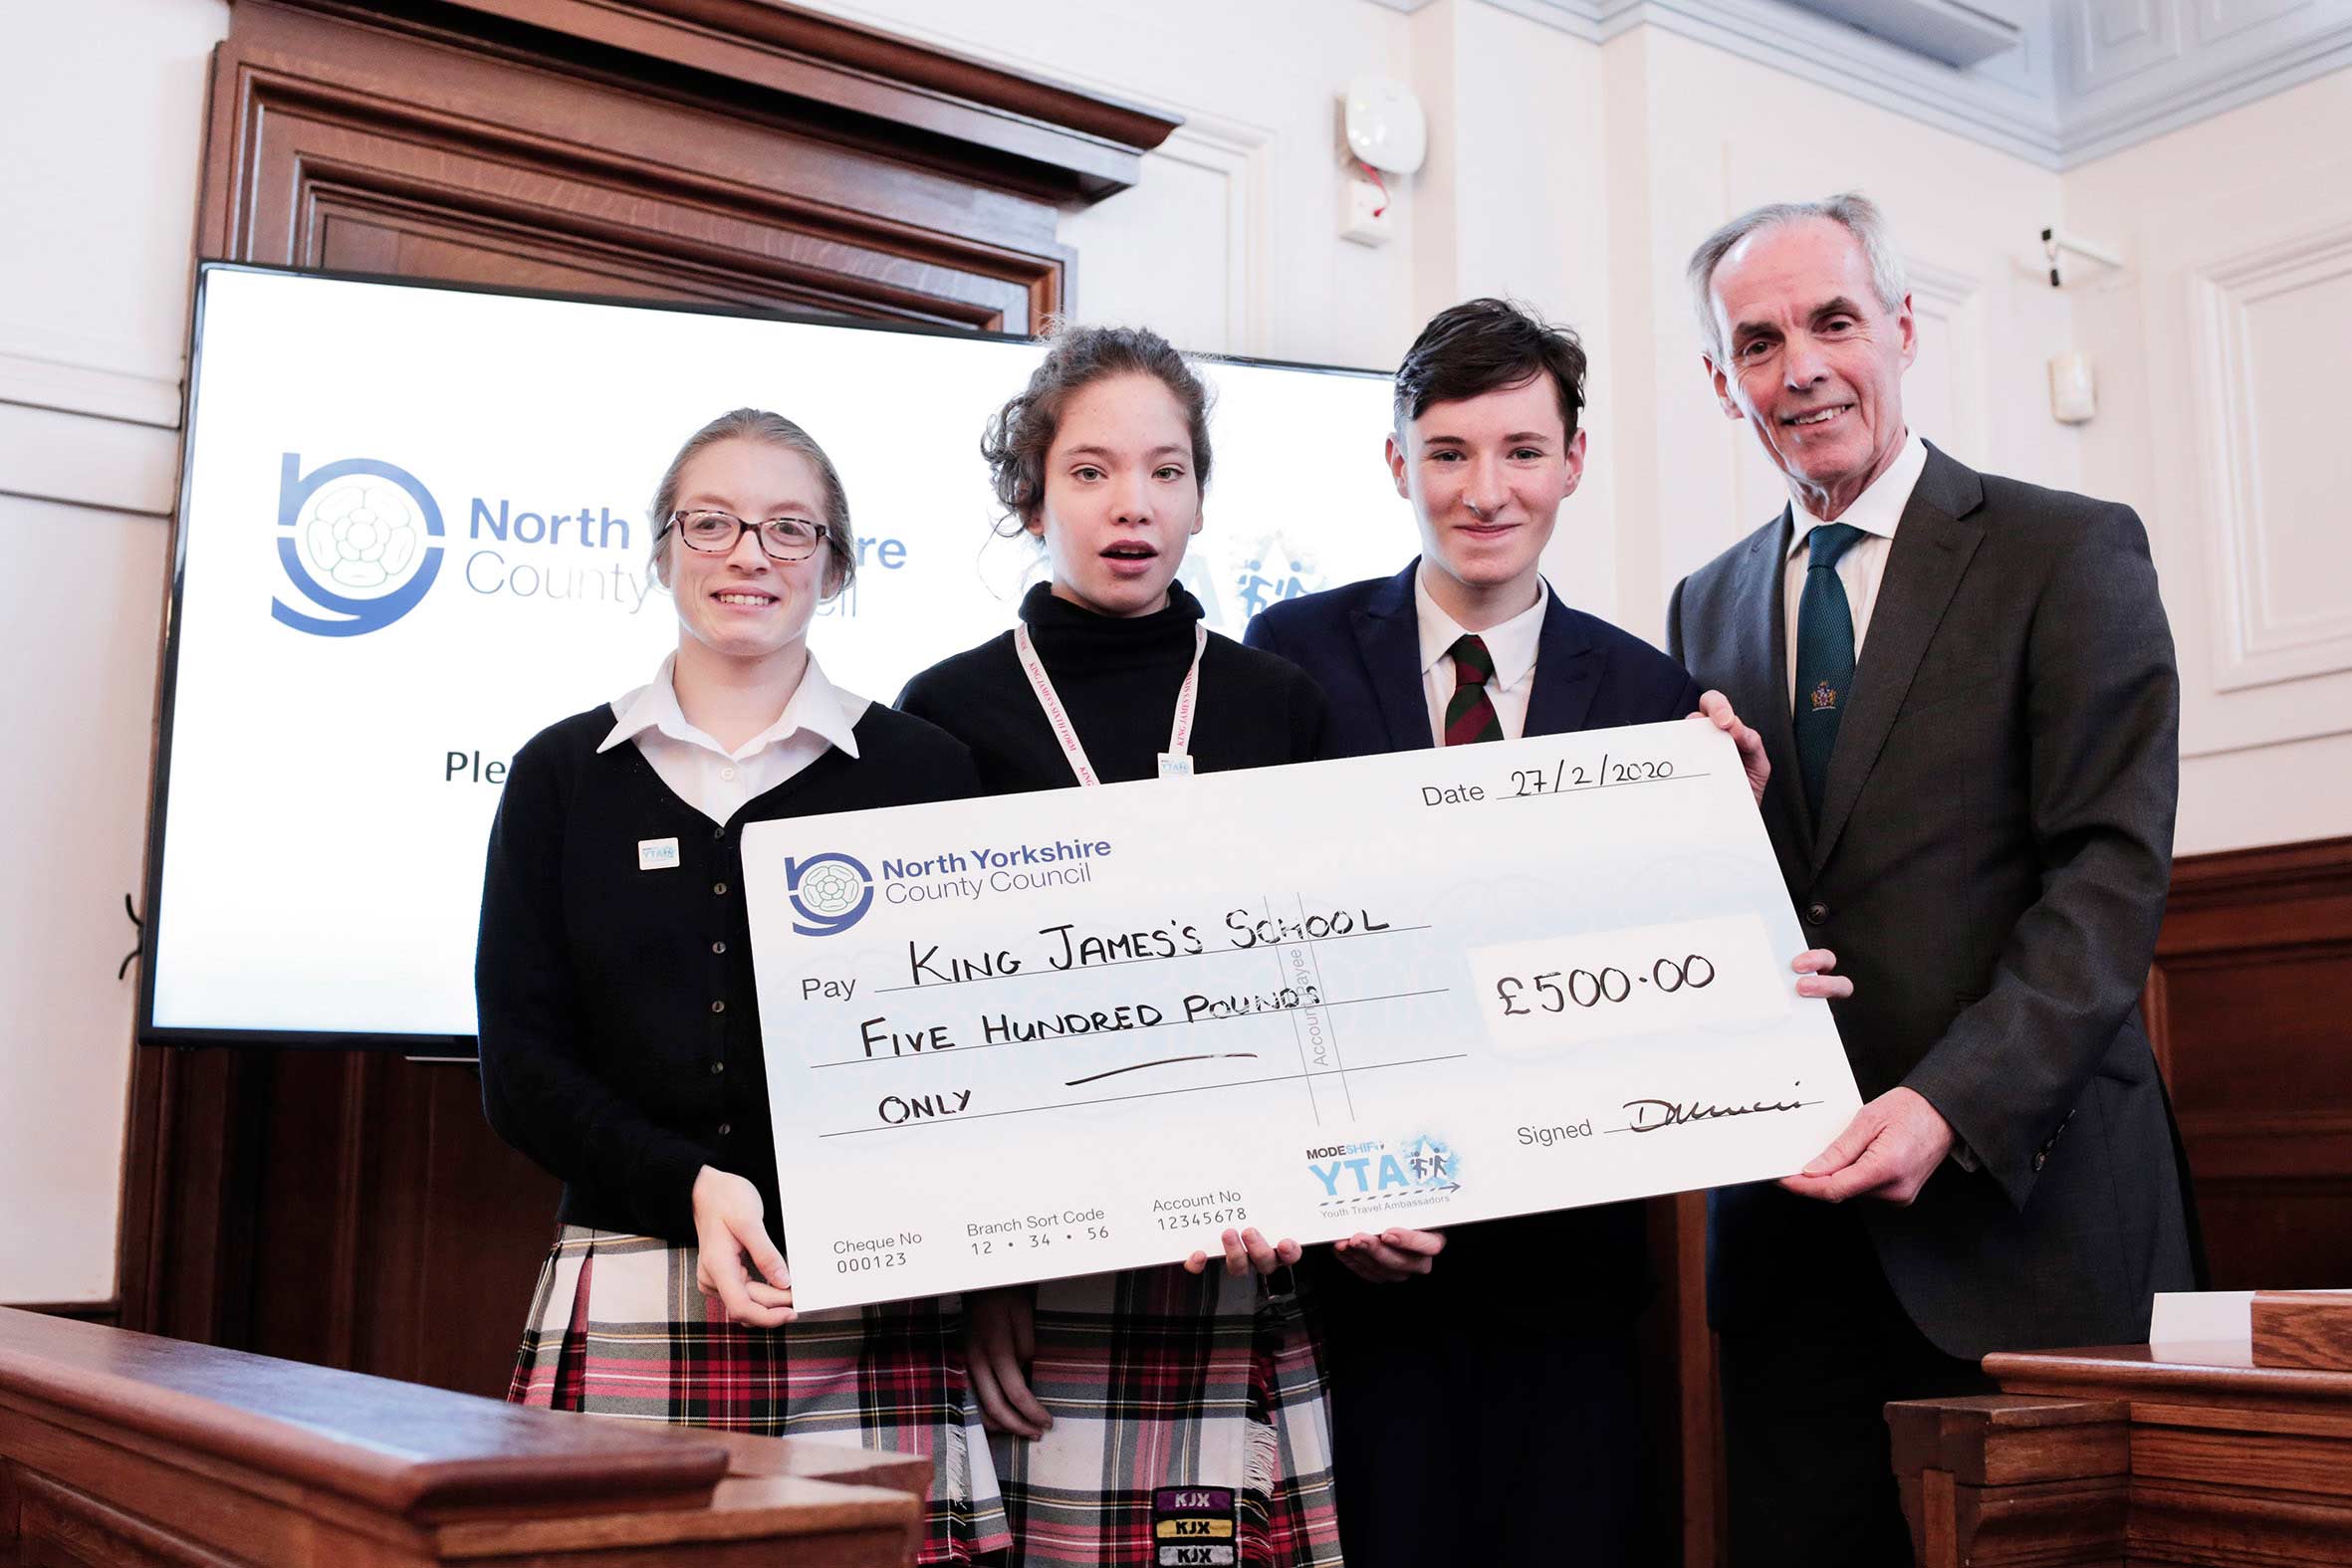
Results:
x,y
1483,346
757,424
1022,432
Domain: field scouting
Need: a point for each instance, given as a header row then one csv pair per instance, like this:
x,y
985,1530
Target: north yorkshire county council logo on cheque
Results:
x,y
358,539
832,892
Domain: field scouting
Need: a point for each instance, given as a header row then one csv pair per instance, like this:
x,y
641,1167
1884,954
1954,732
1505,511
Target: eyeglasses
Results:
x,y
717,534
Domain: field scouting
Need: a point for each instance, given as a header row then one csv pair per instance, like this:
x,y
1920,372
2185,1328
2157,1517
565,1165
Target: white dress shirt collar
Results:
x,y
815,705
1878,509
1511,645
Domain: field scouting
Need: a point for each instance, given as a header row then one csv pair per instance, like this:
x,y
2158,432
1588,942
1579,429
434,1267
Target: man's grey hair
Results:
x,y
1857,213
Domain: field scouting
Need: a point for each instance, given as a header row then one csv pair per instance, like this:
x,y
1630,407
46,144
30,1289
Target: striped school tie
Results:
x,y
1470,712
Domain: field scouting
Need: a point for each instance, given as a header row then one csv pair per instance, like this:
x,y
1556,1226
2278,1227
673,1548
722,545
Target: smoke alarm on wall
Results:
x,y
1385,126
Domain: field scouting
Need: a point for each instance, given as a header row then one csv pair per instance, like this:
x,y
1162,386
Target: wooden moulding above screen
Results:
x,y
714,151
1066,140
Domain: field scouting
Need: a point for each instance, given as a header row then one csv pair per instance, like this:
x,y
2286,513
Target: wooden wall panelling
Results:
x,y
2250,1005
1679,1392
353,1209
190,1192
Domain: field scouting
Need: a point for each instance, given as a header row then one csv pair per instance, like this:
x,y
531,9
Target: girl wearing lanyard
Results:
x,y
619,1028
1125,1403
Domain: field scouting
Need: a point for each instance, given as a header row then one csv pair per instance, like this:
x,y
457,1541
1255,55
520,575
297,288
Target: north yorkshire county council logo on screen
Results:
x,y
360,541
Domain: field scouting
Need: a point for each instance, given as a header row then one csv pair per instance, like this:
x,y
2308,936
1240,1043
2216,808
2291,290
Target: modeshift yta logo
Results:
x,y
360,540
1373,1174
832,892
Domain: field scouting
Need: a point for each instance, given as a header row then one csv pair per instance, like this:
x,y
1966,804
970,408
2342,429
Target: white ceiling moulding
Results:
x,y
1982,103
2049,98
2224,56
1945,31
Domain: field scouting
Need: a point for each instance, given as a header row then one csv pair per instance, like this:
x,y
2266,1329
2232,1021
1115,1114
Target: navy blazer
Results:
x,y
1362,644
1511,1371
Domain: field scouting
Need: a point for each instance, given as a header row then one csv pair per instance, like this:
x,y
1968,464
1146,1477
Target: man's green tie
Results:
x,y
1825,656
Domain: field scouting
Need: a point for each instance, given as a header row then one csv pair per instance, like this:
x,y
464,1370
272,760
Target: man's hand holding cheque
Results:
x,y
1889,1150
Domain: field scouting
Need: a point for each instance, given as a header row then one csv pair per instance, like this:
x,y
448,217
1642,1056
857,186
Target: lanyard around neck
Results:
x,y
1174,762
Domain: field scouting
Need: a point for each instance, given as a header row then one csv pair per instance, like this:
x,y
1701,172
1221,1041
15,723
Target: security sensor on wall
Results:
x,y
2074,391
1385,126
2057,245
1385,129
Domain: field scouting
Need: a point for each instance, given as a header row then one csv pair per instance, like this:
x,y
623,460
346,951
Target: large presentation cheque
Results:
x,y
1089,1030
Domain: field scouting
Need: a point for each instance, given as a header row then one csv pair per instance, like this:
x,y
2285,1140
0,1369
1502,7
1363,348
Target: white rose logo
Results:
x,y
830,889
360,544
830,892
363,534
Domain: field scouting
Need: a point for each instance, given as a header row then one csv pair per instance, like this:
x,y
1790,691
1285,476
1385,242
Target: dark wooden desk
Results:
x,y
119,1448
2117,1459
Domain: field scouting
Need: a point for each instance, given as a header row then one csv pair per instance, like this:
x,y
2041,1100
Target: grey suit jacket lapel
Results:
x,y
1759,689
1388,637
1932,549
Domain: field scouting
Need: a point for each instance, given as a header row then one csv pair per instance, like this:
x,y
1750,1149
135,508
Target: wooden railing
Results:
x,y
120,1448
2205,1457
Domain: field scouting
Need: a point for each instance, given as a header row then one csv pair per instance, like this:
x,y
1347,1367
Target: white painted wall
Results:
x,y
1516,202
101,122
1230,242
1572,174
2219,349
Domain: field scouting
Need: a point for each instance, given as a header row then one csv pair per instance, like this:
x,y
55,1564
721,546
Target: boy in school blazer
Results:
x,y
1487,1402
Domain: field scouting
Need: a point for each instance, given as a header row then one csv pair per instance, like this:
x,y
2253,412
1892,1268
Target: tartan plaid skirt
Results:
x,y
1163,1385
618,1328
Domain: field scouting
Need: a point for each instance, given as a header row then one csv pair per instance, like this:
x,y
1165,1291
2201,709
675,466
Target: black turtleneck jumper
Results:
x,y
1118,679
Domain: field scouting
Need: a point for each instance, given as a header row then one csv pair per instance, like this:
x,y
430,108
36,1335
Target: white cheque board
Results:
x,y
1060,1033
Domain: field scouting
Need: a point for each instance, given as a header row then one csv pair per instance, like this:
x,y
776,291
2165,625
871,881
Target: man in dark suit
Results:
x,y
1966,692
1486,1410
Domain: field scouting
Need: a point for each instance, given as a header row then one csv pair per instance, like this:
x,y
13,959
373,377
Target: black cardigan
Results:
x,y
620,1026
1118,678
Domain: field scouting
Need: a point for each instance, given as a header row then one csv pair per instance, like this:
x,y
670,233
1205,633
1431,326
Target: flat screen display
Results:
x,y
413,533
